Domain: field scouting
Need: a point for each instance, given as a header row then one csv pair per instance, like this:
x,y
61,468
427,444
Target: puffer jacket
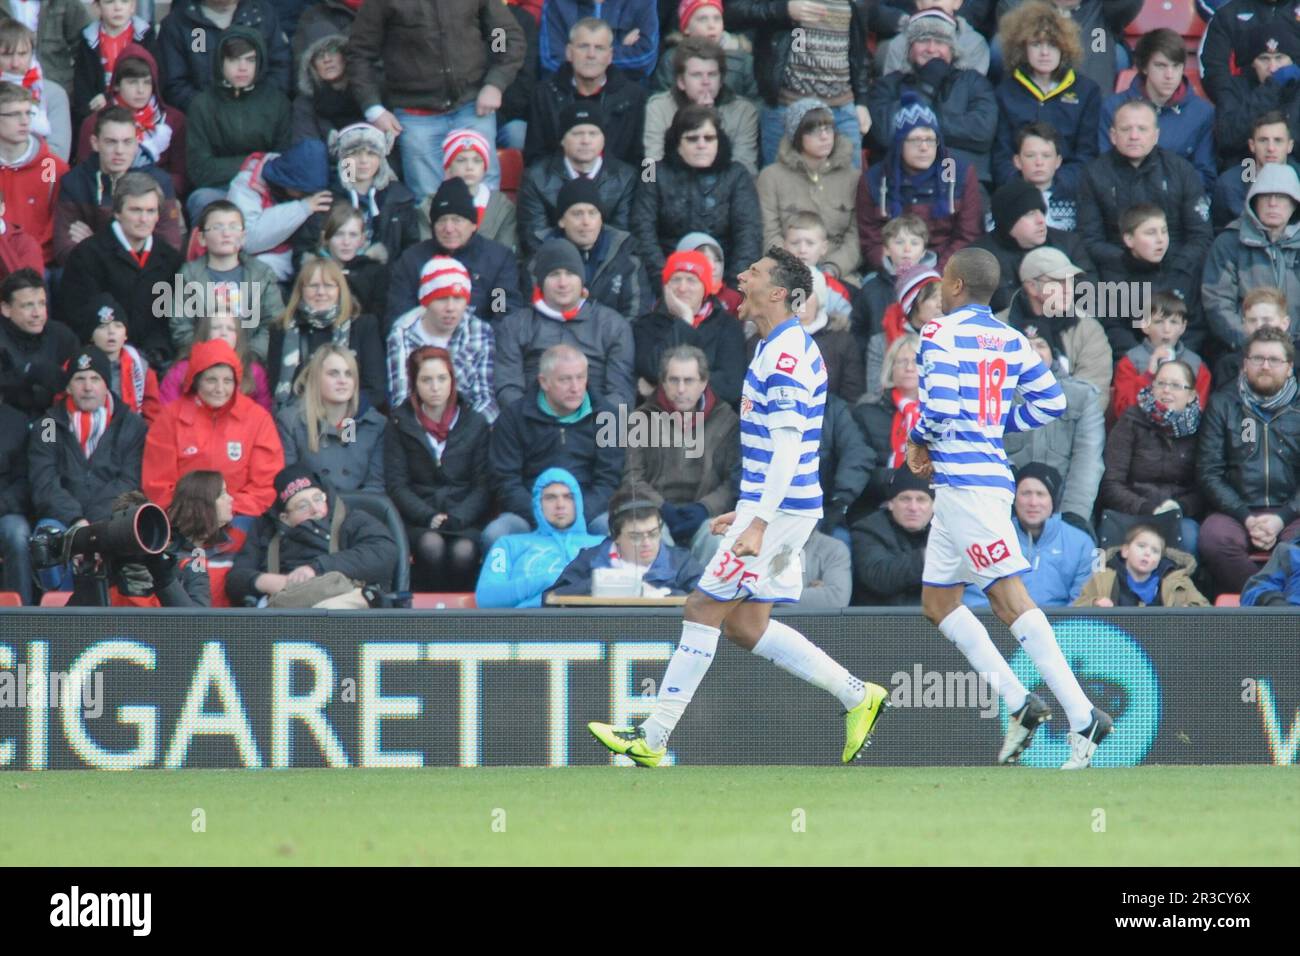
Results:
x,y
622,100
888,561
600,334
786,188
172,161
526,441
66,485
349,460
365,552
1227,37
962,99
1175,571
667,475
947,234
616,183
720,336
187,65
720,201
1186,125
1239,476
423,484
226,125
1072,444
1146,467
774,38
238,439
1072,109
1110,185
1242,258
522,566
436,56
317,21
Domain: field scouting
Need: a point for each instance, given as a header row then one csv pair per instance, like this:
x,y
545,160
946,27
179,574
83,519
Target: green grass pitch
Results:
x,y
1210,816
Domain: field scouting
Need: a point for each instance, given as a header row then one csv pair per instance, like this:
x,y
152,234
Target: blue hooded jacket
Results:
x,y
520,567
1060,563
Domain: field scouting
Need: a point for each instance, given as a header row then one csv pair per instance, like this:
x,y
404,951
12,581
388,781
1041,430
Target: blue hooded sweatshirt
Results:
x,y
520,567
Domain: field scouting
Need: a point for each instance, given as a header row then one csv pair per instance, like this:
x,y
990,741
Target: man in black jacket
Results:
x,y
889,544
85,452
33,348
1137,170
1236,31
777,64
127,261
559,424
313,541
15,504
1268,82
1019,227
581,157
1248,461
495,278
588,77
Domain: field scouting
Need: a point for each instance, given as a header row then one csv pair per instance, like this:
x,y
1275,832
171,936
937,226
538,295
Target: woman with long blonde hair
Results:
x,y
321,310
324,428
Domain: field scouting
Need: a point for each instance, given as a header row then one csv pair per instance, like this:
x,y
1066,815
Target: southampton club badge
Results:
x,y
234,450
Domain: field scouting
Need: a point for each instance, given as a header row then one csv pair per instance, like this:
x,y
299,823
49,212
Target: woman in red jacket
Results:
x,y
215,426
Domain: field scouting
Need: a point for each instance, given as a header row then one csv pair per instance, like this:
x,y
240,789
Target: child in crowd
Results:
x,y
364,263
805,237
100,47
1164,324
223,323
917,291
905,239
465,153
1142,573
133,380
1037,158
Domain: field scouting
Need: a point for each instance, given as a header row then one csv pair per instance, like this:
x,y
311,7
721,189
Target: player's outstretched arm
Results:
x,y
1043,398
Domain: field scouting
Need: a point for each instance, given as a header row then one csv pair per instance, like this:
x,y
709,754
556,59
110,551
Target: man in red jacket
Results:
x,y
29,172
17,249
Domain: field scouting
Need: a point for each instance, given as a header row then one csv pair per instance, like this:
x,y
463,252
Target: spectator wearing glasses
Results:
x,y
1164,324
29,170
635,543
1249,461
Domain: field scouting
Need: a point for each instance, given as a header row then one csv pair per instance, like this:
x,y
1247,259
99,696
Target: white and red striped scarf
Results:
x,y
89,427
134,368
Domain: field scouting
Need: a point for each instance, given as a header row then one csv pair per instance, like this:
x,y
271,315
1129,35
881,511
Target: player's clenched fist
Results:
x,y
750,541
918,460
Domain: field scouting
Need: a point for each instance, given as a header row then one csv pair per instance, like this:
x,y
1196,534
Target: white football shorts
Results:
x,y
774,575
972,539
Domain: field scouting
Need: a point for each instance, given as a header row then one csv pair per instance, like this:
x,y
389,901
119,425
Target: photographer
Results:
x,y
168,579
83,453
331,557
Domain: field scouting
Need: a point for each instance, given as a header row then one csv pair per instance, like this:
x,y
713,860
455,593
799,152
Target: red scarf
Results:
x,y
706,310
894,323
664,402
32,82
133,371
441,428
89,427
110,48
907,414
147,117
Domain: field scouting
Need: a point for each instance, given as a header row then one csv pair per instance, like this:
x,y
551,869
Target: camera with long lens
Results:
x,y
137,532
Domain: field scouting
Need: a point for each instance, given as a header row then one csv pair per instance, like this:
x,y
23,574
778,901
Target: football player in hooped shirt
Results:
x,y
759,560
972,366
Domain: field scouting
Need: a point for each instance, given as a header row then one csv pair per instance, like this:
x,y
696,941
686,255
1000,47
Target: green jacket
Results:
x,y
226,125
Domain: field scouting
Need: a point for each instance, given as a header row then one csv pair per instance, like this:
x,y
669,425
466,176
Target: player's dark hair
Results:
x,y
15,282
630,504
791,273
979,272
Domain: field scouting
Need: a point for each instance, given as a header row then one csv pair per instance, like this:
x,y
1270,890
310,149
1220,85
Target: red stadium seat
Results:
x,y
442,600
10,599
512,170
1177,15
1228,600
55,598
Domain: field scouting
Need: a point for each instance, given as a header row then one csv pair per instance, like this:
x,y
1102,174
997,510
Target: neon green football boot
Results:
x,y
861,721
628,741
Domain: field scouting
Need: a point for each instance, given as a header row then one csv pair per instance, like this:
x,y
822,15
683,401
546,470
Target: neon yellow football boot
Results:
x,y
861,721
628,741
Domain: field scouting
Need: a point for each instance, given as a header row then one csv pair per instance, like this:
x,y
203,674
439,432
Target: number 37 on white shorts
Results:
x,y
774,575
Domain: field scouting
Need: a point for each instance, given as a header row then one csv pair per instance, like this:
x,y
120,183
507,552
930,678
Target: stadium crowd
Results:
x,y
342,282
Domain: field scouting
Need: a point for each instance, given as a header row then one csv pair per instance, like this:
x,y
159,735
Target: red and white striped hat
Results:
x,y
459,140
442,278
909,284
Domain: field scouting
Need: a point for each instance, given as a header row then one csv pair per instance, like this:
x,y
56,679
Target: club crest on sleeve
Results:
x,y
786,363
234,450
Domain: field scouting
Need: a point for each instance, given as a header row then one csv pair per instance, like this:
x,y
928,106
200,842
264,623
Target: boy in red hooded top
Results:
x,y
215,426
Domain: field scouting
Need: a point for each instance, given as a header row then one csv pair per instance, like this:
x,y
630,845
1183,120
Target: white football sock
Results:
x,y
1039,641
964,629
687,667
792,652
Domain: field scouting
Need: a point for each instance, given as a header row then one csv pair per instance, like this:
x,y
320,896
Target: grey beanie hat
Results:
x,y
796,111
557,254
